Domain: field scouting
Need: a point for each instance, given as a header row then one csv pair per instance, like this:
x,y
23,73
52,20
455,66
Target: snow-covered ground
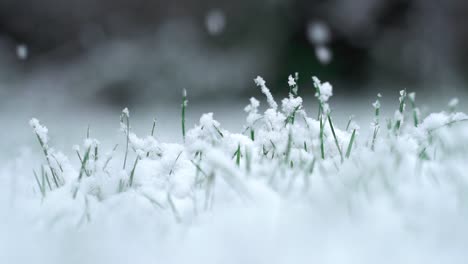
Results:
x,y
244,190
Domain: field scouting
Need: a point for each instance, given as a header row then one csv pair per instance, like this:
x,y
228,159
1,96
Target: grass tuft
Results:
x,y
184,106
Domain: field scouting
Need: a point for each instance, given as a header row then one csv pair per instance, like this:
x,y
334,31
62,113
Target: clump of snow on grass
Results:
x,y
40,130
291,81
325,90
262,84
252,110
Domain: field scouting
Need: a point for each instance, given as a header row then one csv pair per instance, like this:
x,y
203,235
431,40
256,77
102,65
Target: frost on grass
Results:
x,y
40,130
279,189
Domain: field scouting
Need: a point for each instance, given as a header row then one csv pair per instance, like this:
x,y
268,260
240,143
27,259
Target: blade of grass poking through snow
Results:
x,y
252,116
184,106
125,127
173,208
83,163
248,160
288,147
376,123
209,194
322,148
292,83
323,92
152,134
349,122
238,155
45,176
412,99
41,186
401,109
110,157
76,148
336,139
42,137
154,126
274,148
96,152
292,117
260,82
218,130
350,145
132,173
175,162
58,163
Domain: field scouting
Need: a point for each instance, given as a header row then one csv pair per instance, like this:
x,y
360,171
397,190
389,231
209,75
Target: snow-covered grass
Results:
x,y
290,188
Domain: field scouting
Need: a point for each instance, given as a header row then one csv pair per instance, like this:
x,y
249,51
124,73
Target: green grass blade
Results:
x,y
334,136
350,145
132,173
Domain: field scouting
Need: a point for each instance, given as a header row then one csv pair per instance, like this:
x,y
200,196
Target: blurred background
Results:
x,y
127,51
63,58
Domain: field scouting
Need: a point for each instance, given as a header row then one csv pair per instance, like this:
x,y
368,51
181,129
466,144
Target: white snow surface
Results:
x,y
223,197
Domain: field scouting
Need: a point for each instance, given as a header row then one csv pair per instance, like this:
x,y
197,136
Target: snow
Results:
x,y
39,130
260,82
221,196
291,104
398,116
402,96
126,112
323,92
291,81
252,110
376,104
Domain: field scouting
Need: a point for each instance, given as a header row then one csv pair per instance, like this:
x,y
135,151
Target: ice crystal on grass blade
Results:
x,y
260,82
253,116
324,90
291,104
292,83
252,110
